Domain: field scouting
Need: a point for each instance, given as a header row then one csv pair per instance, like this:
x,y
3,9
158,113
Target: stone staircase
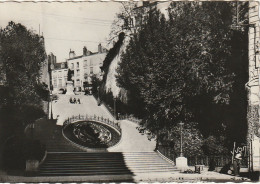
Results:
x,y
147,162
106,163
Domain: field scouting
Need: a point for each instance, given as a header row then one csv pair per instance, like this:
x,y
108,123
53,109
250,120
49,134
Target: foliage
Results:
x,y
19,149
96,83
23,54
215,146
112,53
192,140
123,21
42,90
179,70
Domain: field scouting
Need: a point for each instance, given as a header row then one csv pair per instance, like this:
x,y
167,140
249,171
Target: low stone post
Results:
x,y
31,167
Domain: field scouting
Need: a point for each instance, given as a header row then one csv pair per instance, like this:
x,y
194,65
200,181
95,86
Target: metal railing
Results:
x,y
92,118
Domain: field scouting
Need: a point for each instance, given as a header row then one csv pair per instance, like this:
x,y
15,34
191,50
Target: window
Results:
x,y
60,83
72,66
85,63
90,63
59,75
91,70
78,82
55,83
77,64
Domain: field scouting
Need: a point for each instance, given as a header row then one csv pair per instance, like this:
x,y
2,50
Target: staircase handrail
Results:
x,y
165,158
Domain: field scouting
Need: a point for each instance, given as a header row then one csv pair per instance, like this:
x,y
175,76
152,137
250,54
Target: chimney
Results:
x,y
72,54
84,51
99,48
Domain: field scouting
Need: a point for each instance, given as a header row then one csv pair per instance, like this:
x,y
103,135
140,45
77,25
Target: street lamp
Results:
x,y
51,106
115,108
181,124
98,92
98,96
181,161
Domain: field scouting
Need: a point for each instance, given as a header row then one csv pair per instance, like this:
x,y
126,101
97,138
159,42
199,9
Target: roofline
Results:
x,y
77,57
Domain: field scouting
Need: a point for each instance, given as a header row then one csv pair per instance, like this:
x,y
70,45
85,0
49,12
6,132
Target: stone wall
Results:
x,y
253,84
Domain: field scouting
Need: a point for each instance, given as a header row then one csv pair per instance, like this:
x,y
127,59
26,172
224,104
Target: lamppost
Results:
x,y
115,108
51,106
181,124
181,161
98,96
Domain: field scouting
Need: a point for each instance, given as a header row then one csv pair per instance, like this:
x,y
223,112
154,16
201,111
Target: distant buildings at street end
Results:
x,y
81,68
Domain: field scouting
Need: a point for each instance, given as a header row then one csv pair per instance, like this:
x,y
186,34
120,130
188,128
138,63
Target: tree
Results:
x,y
172,66
22,53
123,22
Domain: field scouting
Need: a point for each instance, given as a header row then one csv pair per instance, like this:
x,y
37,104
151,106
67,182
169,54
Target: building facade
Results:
x,y
81,68
59,76
253,87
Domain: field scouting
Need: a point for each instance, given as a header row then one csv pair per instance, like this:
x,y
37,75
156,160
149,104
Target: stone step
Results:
x,y
105,163
102,161
108,166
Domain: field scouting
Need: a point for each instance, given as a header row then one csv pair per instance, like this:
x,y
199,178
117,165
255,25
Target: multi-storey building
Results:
x,y
59,76
82,68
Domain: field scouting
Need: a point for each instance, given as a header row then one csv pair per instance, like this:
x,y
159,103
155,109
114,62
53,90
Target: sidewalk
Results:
x,y
207,176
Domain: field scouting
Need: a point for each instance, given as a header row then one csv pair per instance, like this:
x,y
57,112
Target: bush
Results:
x,y
17,150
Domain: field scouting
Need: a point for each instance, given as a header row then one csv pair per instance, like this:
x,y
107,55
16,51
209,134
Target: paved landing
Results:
x,y
131,139
62,109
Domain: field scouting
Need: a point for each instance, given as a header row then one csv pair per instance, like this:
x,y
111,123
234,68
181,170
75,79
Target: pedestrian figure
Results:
x,y
78,100
71,100
236,164
74,100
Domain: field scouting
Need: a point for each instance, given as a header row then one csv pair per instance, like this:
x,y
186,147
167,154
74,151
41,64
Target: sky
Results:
x,y
64,26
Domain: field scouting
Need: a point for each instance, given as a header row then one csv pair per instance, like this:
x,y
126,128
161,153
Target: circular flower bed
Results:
x,y
91,134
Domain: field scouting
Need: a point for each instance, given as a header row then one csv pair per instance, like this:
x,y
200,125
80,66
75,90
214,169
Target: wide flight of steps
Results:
x,y
147,162
107,163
